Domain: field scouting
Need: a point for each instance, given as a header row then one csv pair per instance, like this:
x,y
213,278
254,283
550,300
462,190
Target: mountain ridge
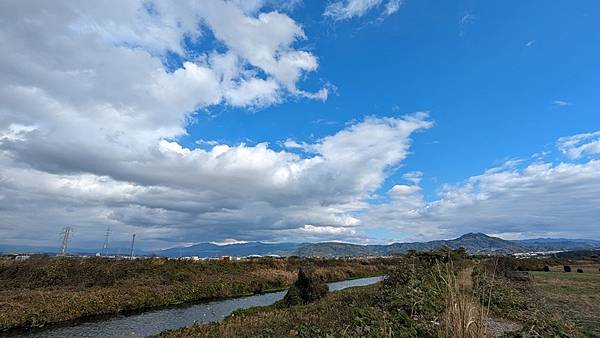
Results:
x,y
474,243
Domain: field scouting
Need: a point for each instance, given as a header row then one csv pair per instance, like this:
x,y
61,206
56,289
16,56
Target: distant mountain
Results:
x,y
558,244
327,249
10,249
25,249
242,249
472,242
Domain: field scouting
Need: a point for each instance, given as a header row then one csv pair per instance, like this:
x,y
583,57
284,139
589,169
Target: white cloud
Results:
x,y
228,241
560,103
291,144
243,192
348,9
327,230
392,7
257,92
207,142
16,132
540,199
87,107
464,22
580,145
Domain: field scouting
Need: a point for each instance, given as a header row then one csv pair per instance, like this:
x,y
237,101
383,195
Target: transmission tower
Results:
x,y
104,251
65,241
132,243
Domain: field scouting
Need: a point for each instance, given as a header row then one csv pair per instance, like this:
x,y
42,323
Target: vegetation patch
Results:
x,y
307,289
410,302
45,290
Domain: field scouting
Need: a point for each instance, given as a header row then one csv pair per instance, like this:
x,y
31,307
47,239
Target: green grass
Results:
x,y
575,296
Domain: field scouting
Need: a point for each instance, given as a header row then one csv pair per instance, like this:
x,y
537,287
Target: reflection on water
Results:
x,y
153,322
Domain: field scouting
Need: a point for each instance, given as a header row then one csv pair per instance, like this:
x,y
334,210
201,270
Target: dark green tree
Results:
x,y
307,288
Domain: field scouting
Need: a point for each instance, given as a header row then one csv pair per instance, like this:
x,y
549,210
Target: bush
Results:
x,y
567,268
579,270
306,289
546,268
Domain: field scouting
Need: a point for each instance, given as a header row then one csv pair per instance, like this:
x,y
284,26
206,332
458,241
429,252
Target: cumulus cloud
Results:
x,y
174,194
580,145
348,9
90,121
87,107
538,199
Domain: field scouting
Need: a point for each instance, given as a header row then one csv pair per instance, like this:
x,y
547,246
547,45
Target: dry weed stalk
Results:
x,y
463,317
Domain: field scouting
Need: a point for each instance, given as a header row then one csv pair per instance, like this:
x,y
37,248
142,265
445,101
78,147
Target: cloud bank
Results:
x,y
91,110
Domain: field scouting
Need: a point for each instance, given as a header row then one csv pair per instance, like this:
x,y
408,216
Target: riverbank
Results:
x,y
49,290
408,302
433,295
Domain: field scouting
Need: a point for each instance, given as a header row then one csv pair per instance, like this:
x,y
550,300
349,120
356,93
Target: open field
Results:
x,y
45,290
575,296
464,298
586,266
434,294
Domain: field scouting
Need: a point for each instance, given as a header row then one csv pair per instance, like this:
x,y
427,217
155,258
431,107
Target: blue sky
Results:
x,y
366,121
490,84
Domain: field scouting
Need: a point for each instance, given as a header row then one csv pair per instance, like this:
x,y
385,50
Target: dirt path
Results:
x,y
494,327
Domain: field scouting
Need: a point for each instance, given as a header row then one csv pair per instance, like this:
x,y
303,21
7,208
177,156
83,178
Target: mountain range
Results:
x,y
473,242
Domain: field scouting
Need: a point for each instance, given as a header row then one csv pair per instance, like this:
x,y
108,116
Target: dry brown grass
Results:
x,y
48,290
463,317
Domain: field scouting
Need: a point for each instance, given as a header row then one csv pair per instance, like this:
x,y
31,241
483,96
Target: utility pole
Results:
x,y
132,243
104,251
65,241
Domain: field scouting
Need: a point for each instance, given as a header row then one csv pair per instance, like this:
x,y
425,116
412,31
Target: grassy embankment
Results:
x,y
422,297
45,290
434,298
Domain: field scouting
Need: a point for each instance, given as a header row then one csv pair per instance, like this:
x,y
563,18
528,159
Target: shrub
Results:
x,y
567,268
546,268
306,289
579,270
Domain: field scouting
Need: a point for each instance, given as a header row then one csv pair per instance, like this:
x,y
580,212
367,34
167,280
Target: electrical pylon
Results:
x,y
65,241
132,243
104,251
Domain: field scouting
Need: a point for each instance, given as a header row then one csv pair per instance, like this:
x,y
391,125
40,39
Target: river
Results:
x,y
155,321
